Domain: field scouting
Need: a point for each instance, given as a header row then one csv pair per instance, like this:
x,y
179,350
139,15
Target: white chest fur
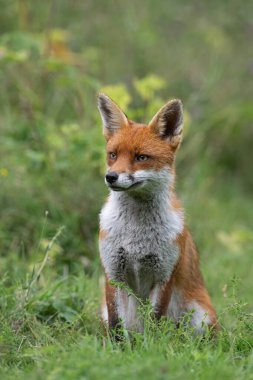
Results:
x,y
139,248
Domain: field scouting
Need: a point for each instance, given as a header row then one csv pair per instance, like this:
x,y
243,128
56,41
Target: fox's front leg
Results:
x,y
161,298
121,310
111,305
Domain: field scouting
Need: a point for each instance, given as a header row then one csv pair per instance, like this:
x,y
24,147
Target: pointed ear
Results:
x,y
112,116
168,121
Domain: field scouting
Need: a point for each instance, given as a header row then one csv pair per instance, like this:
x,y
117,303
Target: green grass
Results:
x,y
50,326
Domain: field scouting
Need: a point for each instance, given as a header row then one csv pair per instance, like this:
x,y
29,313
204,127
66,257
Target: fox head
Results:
x,y
140,157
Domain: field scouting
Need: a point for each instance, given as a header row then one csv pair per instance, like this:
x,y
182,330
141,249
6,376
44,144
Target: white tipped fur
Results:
x,y
177,308
200,318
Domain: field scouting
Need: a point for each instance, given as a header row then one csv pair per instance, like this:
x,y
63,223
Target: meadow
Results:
x,y
54,58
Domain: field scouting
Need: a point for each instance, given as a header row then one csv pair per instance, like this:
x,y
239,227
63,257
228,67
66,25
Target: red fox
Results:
x,y
143,240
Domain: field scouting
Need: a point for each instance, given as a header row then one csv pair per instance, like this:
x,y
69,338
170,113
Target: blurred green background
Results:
x,y
54,58
56,55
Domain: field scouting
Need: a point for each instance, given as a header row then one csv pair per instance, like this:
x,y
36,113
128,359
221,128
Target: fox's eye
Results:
x,y
141,157
112,156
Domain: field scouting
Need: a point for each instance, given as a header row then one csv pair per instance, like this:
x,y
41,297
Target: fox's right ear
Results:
x,y
168,122
112,116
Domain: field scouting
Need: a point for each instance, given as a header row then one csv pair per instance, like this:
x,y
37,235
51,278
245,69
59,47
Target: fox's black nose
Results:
x,y
111,177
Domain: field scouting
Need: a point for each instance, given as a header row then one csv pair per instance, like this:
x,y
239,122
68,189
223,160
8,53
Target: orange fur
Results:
x,y
102,234
188,277
138,139
110,291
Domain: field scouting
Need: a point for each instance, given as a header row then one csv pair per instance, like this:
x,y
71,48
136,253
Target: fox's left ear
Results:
x,y
112,116
168,122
